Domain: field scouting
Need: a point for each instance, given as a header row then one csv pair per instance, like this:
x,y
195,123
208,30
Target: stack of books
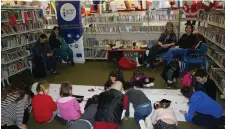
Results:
x,y
17,67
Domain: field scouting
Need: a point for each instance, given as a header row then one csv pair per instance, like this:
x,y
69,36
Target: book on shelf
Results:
x,y
16,67
95,53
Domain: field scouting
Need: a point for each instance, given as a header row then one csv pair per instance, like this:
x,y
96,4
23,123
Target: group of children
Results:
x,y
109,108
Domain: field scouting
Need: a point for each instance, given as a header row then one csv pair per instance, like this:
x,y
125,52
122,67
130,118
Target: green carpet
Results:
x,y
96,73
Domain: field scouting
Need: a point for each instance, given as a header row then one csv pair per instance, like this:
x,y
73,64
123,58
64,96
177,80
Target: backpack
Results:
x,y
187,79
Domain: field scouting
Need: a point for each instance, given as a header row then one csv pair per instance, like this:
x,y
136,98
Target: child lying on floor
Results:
x,y
69,108
141,80
164,117
86,121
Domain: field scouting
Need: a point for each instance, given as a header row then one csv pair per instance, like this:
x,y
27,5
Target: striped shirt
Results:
x,y
12,112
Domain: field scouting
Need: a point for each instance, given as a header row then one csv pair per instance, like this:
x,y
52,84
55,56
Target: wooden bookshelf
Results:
x,y
16,37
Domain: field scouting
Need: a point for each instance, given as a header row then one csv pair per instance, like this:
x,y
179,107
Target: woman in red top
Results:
x,y
44,108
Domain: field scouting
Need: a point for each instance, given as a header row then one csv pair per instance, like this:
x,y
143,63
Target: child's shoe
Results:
x,y
149,85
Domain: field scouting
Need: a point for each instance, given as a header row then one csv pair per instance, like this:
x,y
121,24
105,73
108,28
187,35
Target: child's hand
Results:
x,y
23,126
125,118
183,112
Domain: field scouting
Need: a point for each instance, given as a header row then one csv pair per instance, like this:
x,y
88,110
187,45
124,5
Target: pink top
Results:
x,y
69,108
161,113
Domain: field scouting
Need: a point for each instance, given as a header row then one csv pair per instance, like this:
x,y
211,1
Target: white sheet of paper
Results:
x,y
178,101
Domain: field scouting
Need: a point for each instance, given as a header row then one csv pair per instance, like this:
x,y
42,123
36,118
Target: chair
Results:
x,y
194,56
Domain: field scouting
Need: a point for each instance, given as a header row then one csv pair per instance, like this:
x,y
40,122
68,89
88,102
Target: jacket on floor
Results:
x,y
110,107
69,108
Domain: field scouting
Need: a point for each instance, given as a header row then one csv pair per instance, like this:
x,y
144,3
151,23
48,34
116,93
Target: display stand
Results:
x,y
21,26
212,26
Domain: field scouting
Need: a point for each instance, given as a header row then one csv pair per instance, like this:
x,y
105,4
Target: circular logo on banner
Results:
x,y
68,12
76,46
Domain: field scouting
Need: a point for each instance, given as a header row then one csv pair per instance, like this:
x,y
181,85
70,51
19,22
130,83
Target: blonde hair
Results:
x,y
42,85
168,24
65,90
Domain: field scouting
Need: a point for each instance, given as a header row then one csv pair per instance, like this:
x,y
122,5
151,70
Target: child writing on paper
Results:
x,y
141,80
86,121
164,117
141,103
69,108
44,108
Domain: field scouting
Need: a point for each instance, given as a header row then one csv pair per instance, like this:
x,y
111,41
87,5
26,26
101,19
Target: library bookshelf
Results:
x,y
21,26
212,26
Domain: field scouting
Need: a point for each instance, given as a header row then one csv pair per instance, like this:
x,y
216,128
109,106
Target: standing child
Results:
x,y
208,85
86,121
44,108
142,105
164,117
69,108
141,80
171,73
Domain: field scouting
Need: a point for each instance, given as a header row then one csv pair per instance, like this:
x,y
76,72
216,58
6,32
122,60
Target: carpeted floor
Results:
x,y
96,73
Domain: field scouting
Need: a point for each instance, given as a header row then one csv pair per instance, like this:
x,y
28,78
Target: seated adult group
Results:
x,y
168,45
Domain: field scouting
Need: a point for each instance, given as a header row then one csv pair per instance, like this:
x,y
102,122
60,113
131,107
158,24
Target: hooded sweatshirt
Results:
x,y
69,108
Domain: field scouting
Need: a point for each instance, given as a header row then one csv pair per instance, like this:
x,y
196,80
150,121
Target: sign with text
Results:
x,y
70,23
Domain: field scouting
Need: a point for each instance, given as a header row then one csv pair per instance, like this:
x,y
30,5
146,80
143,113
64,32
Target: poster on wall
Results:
x,y
70,23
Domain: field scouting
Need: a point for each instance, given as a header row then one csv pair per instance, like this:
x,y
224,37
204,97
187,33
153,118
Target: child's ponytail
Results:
x,y
41,86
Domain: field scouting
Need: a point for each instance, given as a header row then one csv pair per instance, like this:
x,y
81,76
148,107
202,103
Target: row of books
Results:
x,y
213,18
18,40
95,53
5,15
90,42
217,54
8,28
216,36
151,15
126,28
218,75
14,55
17,67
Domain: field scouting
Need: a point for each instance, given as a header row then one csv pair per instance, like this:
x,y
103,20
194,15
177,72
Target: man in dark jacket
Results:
x,y
42,48
111,108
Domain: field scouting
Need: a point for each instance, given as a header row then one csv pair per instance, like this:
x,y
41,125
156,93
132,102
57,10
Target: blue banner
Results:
x,y
70,23
69,20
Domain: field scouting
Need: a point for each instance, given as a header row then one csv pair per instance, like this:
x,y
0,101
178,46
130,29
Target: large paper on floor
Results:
x,y
178,101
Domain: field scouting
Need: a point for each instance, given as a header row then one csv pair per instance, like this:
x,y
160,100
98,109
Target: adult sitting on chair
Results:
x,y
187,41
166,40
42,48
58,43
197,38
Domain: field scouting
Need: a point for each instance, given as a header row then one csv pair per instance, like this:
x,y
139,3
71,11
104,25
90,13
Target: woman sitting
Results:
x,y
166,40
186,41
58,43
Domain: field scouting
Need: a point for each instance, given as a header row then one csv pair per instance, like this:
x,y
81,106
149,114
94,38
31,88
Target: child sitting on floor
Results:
x,y
171,73
141,103
164,117
86,121
141,80
205,84
44,108
69,108
113,77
